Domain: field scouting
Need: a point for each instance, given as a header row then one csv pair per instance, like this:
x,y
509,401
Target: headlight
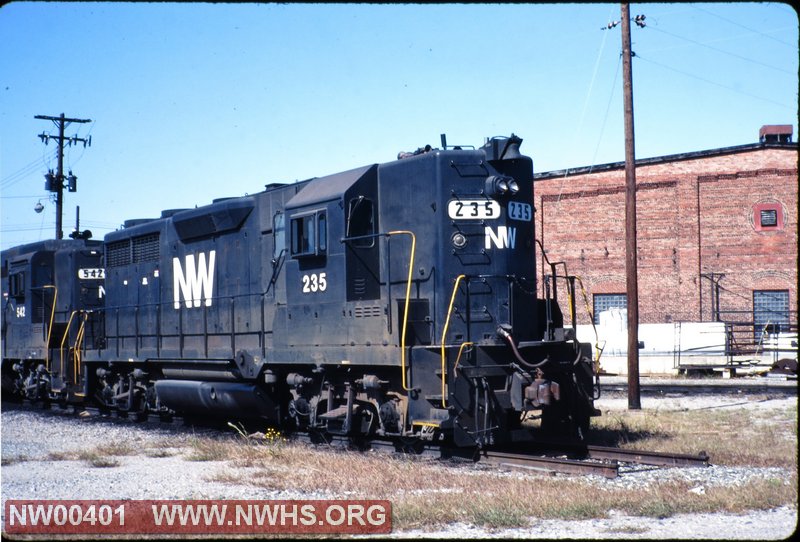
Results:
x,y
500,185
459,240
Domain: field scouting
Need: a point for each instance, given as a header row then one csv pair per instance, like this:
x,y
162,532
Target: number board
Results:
x,y
470,209
519,211
90,274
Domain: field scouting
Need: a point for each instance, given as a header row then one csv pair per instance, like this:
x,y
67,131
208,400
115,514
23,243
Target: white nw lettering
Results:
x,y
197,283
505,237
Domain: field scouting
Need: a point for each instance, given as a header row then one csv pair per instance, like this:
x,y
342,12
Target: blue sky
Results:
x,y
192,102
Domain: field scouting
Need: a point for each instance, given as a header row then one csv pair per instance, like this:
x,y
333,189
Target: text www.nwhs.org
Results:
x,y
198,516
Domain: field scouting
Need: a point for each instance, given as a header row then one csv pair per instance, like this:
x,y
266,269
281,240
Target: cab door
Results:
x,y
314,268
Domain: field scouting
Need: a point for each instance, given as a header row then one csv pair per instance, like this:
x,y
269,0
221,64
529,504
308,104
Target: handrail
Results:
x,y
50,327
458,357
408,298
459,278
76,352
597,349
64,338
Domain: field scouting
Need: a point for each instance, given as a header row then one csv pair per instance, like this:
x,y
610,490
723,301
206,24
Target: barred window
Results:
x,y
604,302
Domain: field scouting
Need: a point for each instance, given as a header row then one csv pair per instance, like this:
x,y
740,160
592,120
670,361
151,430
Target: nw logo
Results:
x,y
505,237
196,283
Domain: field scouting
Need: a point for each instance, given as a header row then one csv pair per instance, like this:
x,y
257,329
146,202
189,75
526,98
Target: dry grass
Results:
x,y
425,492
101,456
731,436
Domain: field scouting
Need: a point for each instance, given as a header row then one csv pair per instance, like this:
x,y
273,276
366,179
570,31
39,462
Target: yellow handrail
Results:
x,y
408,298
459,278
597,349
458,358
76,353
64,338
50,327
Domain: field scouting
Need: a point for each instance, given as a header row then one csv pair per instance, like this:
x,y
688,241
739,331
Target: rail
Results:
x,y
643,457
598,460
552,464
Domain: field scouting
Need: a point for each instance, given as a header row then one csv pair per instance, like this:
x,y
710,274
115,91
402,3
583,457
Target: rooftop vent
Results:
x,y
775,133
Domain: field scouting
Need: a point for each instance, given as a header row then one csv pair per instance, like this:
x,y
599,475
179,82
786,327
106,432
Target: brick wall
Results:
x,y
697,218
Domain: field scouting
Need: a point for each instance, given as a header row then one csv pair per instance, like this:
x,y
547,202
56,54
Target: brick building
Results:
x,y
716,232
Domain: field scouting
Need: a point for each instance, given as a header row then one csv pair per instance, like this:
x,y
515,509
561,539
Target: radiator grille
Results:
x,y
145,248
118,253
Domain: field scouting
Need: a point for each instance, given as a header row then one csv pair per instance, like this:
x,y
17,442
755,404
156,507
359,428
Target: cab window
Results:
x,y
309,235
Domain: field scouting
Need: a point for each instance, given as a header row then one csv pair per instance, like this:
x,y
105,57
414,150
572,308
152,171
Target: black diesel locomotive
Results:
x,y
396,300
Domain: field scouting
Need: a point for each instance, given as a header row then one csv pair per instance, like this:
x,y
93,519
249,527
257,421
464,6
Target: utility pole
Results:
x,y
631,271
55,183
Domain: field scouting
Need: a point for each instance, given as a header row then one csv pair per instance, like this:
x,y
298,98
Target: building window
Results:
x,y
768,216
770,311
604,302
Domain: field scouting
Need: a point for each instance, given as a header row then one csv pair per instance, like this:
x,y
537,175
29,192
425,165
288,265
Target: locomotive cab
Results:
x,y
52,294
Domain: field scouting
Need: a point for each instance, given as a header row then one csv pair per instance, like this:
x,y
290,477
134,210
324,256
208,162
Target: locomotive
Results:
x,y
394,301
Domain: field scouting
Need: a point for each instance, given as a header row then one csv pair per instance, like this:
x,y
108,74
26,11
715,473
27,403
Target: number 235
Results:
x,y
315,283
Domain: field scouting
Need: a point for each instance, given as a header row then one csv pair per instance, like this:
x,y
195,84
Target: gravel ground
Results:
x,y
161,471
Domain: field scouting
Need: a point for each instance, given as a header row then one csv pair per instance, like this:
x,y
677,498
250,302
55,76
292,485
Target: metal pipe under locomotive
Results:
x,y
393,300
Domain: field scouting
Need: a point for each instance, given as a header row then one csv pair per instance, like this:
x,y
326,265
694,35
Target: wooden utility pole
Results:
x,y
56,183
631,272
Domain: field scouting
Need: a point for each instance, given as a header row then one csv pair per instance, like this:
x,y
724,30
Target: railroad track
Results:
x,y
643,457
552,464
597,460
583,459
673,387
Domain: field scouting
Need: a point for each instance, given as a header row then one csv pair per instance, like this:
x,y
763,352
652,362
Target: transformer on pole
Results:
x,y
55,182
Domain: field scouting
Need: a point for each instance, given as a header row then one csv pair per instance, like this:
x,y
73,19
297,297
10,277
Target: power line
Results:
x,y
745,27
713,82
740,57
23,172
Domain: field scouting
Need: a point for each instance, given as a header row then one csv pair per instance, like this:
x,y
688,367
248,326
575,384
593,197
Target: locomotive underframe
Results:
x,y
484,400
